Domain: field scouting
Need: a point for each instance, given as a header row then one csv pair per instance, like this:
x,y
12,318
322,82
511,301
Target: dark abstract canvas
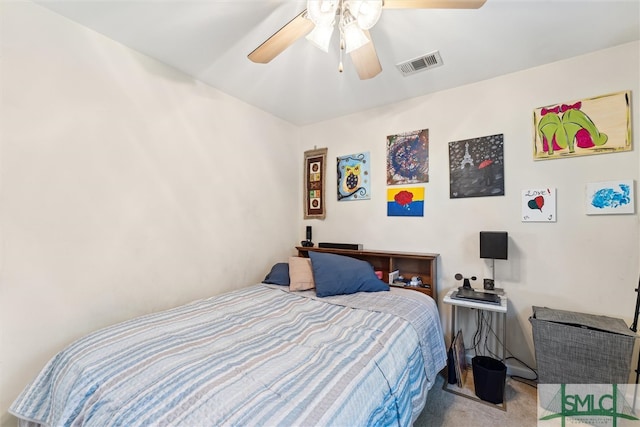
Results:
x,y
476,167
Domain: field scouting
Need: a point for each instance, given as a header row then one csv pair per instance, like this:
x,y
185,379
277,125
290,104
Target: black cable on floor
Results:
x,y
483,318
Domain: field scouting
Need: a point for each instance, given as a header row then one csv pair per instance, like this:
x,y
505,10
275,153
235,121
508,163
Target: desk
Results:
x,y
493,308
502,308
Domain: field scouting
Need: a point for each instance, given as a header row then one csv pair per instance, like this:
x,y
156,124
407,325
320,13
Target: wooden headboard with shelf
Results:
x,y
408,263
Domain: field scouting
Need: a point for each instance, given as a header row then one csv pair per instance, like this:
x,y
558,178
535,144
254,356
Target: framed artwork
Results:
x,y
610,197
354,181
539,205
314,167
408,157
476,167
459,358
405,201
580,128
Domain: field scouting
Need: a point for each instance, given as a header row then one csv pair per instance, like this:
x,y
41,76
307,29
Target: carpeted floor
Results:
x,y
445,409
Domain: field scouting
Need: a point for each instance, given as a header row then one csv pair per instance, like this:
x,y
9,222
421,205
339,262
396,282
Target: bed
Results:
x,y
264,355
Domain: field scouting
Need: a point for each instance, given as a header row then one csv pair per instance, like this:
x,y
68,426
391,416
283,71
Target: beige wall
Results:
x,y
583,263
126,188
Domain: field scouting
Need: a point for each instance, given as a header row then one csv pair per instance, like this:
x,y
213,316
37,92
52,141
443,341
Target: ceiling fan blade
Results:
x,y
298,27
433,4
365,60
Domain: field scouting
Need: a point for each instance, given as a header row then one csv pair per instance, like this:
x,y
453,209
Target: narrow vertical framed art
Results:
x,y
315,162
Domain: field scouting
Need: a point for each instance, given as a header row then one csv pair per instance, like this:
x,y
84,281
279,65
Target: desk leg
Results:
x,y
453,323
504,338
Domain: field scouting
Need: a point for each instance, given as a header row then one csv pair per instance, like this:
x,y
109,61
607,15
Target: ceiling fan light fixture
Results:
x,y
367,12
320,36
354,37
322,12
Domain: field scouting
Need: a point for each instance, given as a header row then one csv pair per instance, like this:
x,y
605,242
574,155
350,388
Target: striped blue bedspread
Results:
x,y
260,356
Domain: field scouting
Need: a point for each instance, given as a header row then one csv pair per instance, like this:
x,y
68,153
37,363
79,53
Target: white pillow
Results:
x,y
300,274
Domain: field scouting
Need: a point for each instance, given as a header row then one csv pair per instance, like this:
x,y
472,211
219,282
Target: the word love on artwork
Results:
x,y
539,205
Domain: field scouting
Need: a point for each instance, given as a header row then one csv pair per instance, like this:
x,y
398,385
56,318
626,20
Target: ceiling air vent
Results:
x,y
421,63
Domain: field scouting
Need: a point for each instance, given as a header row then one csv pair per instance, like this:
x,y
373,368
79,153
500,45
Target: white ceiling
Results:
x,y
210,40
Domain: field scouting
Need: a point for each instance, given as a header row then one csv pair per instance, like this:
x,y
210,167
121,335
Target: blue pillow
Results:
x,y
337,275
279,275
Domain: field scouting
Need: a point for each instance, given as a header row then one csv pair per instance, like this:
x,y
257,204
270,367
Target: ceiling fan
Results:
x,y
354,19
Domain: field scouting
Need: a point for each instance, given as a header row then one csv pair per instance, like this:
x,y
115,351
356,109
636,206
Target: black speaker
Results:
x,y
350,246
494,244
307,243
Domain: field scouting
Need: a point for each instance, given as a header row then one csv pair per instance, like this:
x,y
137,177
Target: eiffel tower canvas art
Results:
x,y
476,167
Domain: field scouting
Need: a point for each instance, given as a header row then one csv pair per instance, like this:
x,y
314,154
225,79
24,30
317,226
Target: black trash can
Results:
x,y
489,376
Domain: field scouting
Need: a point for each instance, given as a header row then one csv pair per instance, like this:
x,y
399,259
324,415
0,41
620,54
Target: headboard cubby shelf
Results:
x,y
408,263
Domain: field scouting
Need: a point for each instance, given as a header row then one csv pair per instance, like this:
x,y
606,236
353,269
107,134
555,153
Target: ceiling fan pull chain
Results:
x,y
340,66
341,29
